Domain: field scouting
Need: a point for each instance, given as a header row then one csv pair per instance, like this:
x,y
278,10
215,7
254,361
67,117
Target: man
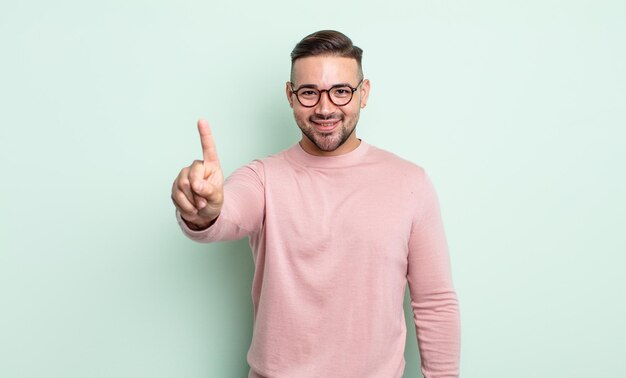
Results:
x,y
337,227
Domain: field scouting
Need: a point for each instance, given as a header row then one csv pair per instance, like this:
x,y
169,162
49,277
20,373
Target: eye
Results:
x,y
307,93
342,92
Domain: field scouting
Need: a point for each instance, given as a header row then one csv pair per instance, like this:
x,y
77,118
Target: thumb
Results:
x,y
204,189
208,198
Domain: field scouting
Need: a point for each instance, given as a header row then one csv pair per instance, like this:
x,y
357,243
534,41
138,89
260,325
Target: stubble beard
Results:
x,y
328,142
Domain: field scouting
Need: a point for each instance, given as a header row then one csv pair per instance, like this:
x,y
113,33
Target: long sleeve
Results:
x,y
433,297
243,210
332,264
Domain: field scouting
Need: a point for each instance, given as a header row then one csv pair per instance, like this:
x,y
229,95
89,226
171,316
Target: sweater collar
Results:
x,y
351,158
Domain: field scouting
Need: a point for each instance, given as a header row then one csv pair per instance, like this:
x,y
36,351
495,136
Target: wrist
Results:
x,y
196,226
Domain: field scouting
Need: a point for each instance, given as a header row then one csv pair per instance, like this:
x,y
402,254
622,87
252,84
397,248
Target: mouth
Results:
x,y
326,125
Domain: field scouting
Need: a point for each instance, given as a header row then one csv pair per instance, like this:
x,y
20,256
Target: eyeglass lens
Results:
x,y
338,95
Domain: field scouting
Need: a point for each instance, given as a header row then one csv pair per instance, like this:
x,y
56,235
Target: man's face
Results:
x,y
327,129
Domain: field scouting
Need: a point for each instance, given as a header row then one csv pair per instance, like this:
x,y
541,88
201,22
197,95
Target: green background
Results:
x,y
517,109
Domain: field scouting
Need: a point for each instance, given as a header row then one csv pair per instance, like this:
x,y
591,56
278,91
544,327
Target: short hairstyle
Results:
x,y
327,42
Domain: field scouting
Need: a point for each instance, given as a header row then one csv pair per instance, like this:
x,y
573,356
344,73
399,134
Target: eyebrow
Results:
x,y
315,86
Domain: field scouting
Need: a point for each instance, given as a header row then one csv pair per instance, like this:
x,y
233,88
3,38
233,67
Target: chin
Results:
x,y
328,142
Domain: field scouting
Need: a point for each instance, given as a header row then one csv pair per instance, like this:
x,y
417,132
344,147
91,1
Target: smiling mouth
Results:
x,y
326,125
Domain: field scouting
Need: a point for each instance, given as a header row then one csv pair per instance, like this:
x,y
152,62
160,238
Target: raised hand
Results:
x,y
198,191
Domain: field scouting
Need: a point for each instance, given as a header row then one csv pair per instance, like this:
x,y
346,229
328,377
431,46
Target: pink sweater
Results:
x,y
334,242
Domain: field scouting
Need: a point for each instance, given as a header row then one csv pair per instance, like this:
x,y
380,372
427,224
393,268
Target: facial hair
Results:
x,y
328,142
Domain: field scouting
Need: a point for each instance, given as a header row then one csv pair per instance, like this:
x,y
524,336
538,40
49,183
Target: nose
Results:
x,y
325,106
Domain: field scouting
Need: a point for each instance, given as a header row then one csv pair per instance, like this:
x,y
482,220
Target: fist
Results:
x,y
198,191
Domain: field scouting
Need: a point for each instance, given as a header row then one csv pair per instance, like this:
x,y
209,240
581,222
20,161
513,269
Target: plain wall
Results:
x,y
517,110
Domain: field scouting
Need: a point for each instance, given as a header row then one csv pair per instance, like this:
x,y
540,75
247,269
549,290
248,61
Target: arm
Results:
x,y
433,298
207,208
243,209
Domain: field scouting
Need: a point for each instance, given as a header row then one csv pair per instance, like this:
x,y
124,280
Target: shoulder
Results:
x,y
259,167
396,164
279,161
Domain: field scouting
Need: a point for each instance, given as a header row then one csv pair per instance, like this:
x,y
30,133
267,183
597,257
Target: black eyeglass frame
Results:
x,y
319,98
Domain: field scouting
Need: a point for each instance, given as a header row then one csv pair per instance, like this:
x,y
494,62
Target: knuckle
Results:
x,y
184,206
184,184
176,198
196,171
187,216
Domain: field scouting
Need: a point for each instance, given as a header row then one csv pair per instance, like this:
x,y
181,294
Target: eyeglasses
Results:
x,y
340,94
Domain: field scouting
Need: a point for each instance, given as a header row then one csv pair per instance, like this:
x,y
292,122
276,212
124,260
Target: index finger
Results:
x,y
209,152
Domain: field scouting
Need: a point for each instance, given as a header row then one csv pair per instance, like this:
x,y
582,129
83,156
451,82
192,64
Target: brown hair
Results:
x,y
327,42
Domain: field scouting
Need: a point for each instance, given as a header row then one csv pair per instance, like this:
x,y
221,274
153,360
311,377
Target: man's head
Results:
x,y
327,91
327,43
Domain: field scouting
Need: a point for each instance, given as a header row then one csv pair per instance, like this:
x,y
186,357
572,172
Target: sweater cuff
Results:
x,y
194,234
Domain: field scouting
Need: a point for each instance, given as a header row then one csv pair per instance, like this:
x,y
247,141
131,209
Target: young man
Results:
x,y
337,228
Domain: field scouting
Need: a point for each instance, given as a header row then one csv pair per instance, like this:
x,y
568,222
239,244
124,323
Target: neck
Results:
x,y
346,147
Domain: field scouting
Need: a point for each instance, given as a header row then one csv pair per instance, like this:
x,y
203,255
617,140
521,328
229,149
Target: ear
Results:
x,y
364,92
288,93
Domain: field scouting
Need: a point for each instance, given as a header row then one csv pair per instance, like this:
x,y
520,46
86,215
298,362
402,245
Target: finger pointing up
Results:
x,y
209,152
